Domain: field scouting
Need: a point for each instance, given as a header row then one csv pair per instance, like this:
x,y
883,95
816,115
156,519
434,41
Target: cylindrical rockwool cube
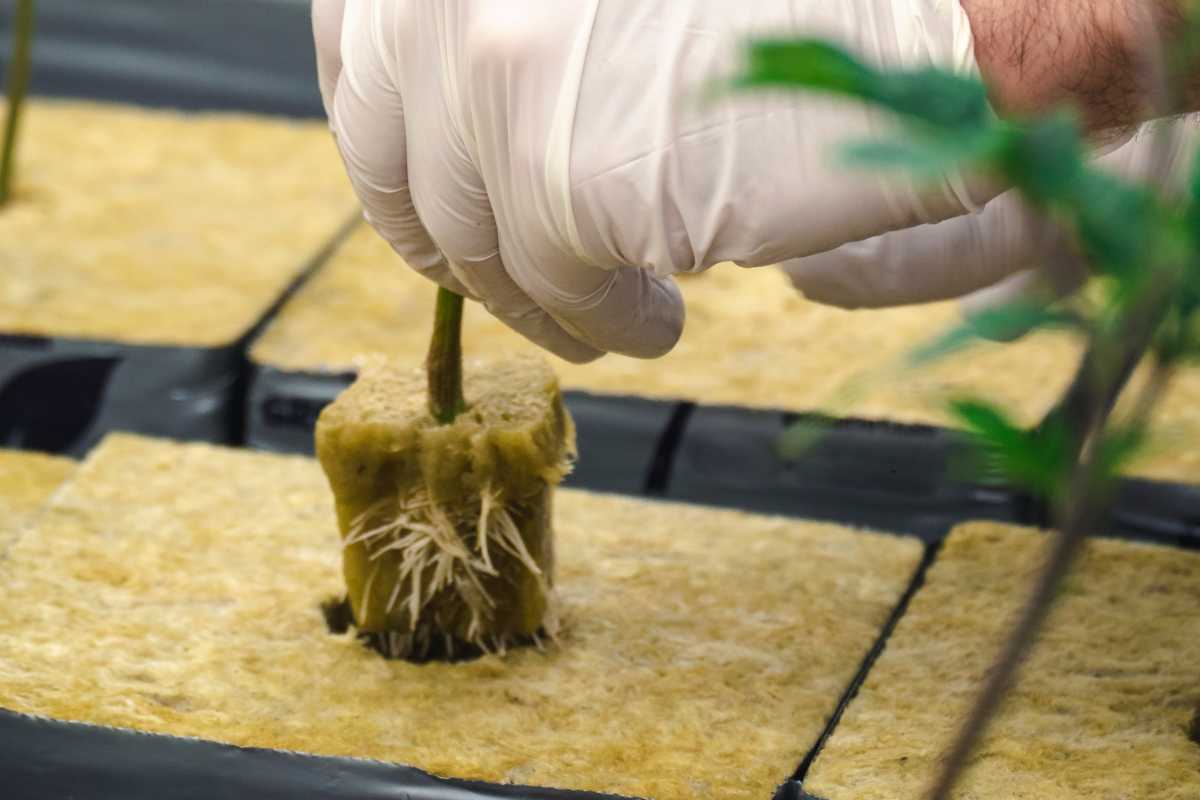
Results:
x,y
446,529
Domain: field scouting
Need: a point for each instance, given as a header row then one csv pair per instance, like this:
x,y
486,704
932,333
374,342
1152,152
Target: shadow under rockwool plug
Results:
x,y
339,619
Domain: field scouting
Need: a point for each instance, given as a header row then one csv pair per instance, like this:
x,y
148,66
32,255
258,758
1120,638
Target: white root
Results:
x,y
366,600
482,536
434,558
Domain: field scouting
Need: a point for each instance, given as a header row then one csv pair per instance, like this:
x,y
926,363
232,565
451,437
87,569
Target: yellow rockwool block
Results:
x,y
155,227
751,340
1101,709
26,481
175,589
447,528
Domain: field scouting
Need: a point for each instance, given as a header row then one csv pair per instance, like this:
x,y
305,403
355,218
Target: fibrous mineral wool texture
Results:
x,y
26,481
447,534
154,227
751,340
175,588
1101,709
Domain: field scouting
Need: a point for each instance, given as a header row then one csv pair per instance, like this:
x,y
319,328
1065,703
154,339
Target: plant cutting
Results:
x,y
443,484
18,87
1142,244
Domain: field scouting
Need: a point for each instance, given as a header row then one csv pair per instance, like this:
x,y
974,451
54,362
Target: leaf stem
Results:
x,y
444,363
18,87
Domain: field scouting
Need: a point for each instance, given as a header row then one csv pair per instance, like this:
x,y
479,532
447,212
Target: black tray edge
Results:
x,y
182,761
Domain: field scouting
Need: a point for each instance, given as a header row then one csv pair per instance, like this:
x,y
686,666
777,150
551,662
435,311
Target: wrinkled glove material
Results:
x,y
559,162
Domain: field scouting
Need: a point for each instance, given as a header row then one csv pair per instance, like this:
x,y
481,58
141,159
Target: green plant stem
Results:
x,y
18,87
1083,508
1065,549
444,363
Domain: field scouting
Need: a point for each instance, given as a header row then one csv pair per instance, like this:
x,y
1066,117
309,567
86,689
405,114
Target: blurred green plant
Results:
x,y
1142,245
18,87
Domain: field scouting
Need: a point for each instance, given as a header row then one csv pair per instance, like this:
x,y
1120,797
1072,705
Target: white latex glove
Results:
x,y
554,160
992,257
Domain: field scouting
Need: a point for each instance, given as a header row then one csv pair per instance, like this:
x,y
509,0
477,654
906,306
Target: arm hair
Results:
x,y
1096,55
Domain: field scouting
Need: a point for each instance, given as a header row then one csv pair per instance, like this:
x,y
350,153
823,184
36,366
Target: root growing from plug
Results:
x,y
444,559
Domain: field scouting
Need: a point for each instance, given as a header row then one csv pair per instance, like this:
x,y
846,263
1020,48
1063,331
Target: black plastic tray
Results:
x,y
883,475
902,478
621,439
44,759
249,55
880,475
62,396
282,407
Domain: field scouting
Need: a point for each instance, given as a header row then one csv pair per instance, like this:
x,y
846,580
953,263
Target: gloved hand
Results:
x,y
992,257
555,160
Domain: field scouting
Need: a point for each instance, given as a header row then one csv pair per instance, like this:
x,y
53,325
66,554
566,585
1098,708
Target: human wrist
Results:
x,y
1095,55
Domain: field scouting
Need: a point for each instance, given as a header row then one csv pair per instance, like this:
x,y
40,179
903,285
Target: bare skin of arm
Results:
x,y
1092,54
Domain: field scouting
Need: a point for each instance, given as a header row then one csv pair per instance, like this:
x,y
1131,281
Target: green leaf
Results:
x,y
807,63
944,100
1192,214
1195,183
1004,323
1045,159
935,97
1117,224
1036,459
802,436
1120,226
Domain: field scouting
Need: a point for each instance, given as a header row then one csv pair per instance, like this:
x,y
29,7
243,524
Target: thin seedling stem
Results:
x,y
18,87
444,363
1082,510
1086,505
1066,548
